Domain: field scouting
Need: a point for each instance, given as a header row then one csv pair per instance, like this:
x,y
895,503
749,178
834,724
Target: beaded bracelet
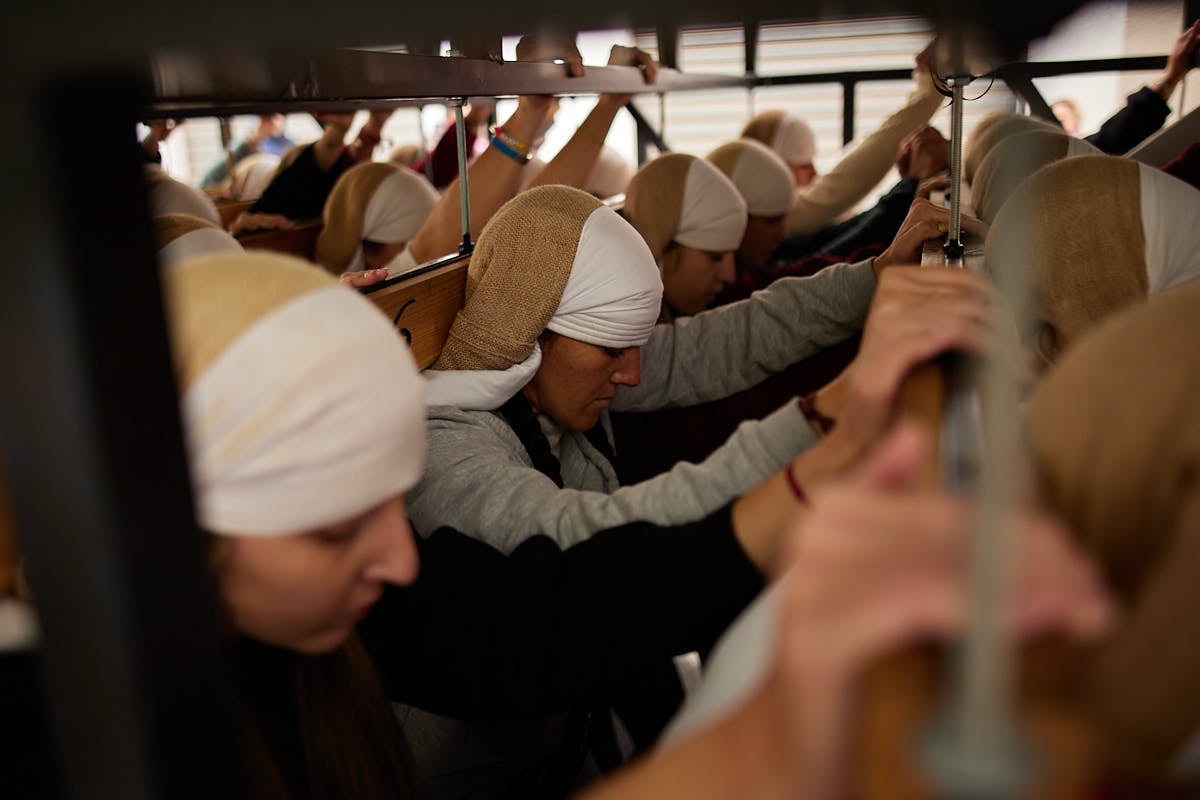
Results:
x,y
508,151
514,143
808,407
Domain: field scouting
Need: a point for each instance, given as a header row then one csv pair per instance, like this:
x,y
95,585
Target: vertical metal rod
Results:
x,y
227,144
954,245
849,101
464,192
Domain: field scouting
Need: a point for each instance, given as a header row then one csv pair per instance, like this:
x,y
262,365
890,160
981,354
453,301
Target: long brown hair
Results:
x,y
316,726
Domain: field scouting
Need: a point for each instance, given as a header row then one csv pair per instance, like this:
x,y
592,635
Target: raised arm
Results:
x,y
575,162
835,192
494,177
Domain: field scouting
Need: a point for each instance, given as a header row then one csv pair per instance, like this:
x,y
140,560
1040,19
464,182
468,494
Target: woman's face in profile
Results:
x,y
306,591
693,278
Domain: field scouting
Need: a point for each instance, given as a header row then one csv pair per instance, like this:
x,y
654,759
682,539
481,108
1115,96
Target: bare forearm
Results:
x,y
575,162
492,179
762,516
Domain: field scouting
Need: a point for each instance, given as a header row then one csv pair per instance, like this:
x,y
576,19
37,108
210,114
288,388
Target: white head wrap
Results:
x,y
197,243
614,295
760,175
1171,223
252,174
794,140
169,196
610,176
396,211
284,378
713,216
612,298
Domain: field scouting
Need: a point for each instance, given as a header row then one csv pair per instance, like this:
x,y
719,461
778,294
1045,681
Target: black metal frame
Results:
x,y
139,695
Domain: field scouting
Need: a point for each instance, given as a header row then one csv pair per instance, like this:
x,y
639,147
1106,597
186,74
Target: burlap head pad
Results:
x,y
762,126
654,200
516,279
1008,164
1075,227
993,129
344,212
759,173
1115,437
170,227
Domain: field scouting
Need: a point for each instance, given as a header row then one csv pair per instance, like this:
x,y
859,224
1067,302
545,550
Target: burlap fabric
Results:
x,y
1008,164
993,129
759,173
1080,223
344,212
516,278
654,200
212,307
762,126
170,227
726,157
1115,436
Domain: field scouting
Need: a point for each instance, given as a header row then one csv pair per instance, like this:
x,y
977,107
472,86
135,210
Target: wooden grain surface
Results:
x,y
424,308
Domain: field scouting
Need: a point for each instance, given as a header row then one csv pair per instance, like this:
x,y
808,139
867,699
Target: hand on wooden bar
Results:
x,y
925,222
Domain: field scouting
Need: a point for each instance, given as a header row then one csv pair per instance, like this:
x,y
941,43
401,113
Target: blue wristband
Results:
x,y
508,151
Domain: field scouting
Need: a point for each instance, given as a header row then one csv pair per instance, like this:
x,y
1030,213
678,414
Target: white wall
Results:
x,y
1095,31
1109,29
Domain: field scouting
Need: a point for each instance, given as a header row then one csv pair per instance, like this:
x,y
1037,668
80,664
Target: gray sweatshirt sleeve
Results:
x,y
483,485
728,349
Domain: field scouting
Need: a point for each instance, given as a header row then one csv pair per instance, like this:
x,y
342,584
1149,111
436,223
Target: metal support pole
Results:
x,y
848,110
954,245
227,144
464,192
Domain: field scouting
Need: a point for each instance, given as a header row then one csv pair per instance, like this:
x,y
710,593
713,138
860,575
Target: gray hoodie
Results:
x,y
479,479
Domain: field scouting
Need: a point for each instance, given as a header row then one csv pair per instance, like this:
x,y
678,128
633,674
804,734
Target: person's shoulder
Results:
x,y
445,419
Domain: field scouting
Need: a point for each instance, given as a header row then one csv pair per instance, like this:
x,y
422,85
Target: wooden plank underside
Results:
x,y
424,308
299,241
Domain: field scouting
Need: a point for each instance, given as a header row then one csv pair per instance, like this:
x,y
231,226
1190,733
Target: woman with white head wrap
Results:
x,y
558,329
1114,433
765,183
692,218
821,199
790,137
169,196
1103,233
371,215
182,237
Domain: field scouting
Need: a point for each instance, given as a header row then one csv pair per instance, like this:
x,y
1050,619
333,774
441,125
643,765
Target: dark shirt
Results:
x,y
1144,113
878,224
27,767
300,190
440,165
1187,166
481,635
